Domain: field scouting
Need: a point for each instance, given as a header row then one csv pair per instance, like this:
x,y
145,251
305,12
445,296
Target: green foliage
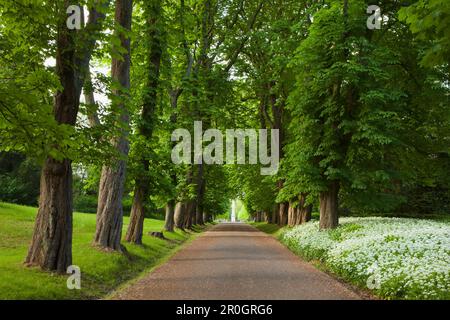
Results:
x,y
242,213
216,201
256,191
19,179
351,120
430,21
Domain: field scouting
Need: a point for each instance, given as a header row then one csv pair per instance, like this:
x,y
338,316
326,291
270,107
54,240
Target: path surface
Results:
x,y
235,261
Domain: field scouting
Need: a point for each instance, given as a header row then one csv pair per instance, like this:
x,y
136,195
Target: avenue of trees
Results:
x,y
363,114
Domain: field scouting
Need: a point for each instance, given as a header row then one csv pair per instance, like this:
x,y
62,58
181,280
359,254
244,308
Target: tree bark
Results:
x,y
329,218
282,214
304,214
292,214
200,195
109,211
51,247
189,213
89,99
136,227
179,215
274,218
170,212
304,211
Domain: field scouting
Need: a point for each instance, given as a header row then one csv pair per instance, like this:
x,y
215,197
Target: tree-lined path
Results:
x,y
236,261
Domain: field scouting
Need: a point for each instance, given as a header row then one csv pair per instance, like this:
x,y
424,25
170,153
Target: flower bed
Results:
x,y
395,257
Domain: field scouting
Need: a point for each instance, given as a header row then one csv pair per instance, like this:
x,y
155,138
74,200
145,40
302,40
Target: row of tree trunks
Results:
x,y
289,213
261,216
300,213
109,211
185,215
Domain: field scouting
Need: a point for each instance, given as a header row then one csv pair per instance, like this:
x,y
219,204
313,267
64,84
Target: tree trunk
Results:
x,y
109,223
194,214
200,195
283,210
109,211
292,214
274,216
329,218
170,212
304,211
136,226
89,100
179,215
305,214
51,246
199,215
189,213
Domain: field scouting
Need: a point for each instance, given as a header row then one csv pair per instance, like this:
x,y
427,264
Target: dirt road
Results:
x,y
236,261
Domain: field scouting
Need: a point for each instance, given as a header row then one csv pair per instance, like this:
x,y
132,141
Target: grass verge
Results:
x,y
101,272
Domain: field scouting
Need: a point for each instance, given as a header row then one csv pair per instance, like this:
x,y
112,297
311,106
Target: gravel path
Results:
x,y
234,261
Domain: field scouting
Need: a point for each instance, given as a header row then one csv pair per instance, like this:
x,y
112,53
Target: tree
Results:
x,y
51,247
153,13
108,231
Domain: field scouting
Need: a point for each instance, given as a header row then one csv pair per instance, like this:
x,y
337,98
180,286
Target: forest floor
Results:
x,y
101,272
235,261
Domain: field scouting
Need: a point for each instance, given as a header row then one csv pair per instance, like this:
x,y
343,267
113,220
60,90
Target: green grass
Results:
x,y
268,228
101,272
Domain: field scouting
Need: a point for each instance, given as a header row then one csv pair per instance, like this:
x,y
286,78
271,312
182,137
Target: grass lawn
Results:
x,y
101,272
396,258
